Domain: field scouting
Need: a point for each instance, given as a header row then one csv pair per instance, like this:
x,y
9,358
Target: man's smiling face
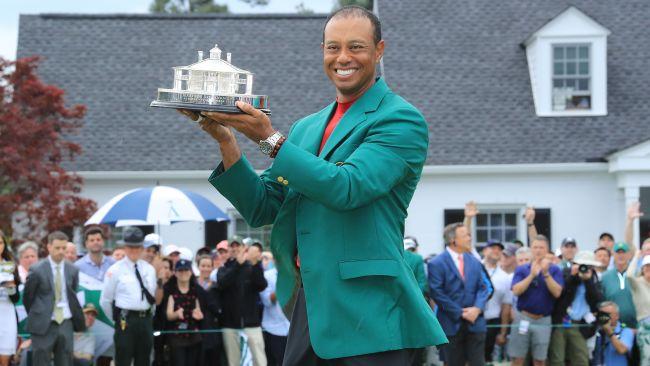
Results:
x,y
350,55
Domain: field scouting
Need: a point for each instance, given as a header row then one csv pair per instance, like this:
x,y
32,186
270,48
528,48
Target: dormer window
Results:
x,y
571,79
567,62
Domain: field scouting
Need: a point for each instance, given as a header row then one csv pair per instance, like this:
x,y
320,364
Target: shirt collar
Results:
x,y
90,261
53,264
453,253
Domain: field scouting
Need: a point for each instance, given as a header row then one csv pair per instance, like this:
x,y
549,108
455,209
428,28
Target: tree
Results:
x,y
36,192
362,3
302,9
195,6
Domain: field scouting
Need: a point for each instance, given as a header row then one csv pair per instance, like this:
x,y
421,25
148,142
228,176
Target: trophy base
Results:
x,y
202,107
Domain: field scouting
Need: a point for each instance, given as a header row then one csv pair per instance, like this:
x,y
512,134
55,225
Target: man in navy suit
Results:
x,y
458,287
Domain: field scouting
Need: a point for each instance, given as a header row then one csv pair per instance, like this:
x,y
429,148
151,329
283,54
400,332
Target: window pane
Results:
x,y
570,83
584,52
558,68
496,220
571,68
481,220
496,234
570,53
558,53
511,219
583,68
481,236
558,83
511,234
583,84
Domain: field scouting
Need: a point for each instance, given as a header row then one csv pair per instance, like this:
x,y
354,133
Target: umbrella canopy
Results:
x,y
158,205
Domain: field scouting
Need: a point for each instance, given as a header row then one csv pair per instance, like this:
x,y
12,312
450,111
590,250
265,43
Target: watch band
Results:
x,y
277,146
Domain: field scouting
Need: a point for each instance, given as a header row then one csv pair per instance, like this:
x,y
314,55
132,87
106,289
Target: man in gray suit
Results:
x,y
50,298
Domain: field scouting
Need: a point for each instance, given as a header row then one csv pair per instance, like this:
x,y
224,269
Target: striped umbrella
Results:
x,y
159,205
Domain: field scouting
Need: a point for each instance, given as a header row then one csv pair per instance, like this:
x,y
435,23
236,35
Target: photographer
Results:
x,y
614,342
575,310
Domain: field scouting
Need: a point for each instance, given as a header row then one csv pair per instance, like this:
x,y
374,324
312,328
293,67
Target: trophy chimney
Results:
x,y
200,56
215,53
228,56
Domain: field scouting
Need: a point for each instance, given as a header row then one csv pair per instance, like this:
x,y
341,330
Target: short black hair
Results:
x,y
92,230
358,12
57,235
258,245
603,248
610,236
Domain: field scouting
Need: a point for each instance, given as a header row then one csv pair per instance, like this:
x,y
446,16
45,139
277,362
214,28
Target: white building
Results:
x,y
543,104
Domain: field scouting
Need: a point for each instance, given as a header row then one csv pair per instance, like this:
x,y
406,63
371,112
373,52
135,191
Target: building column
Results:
x,y
633,194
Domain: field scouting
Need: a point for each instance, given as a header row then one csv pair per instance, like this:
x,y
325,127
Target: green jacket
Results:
x,y
416,263
343,212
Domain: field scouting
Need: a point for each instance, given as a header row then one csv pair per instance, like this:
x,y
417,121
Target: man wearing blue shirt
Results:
x,y
537,286
94,263
614,342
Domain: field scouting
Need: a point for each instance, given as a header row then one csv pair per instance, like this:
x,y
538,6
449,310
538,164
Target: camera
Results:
x,y
602,318
583,268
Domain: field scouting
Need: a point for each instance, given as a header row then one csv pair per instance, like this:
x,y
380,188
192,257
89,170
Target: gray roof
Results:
x,y
460,62
114,64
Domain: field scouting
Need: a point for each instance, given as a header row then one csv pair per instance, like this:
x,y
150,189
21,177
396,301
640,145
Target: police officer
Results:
x,y
129,287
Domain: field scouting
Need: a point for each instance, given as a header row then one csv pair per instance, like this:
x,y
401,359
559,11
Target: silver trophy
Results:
x,y
212,84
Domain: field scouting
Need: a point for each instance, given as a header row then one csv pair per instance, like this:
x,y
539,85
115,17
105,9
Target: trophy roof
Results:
x,y
215,65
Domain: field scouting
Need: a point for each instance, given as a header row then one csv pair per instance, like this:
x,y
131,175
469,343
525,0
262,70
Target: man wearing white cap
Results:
x,y
152,244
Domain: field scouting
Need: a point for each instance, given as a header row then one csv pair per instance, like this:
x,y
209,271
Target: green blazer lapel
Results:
x,y
368,102
314,133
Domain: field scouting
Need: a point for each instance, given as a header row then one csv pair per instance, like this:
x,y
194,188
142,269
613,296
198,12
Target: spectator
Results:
x,y
9,296
71,252
603,256
27,256
163,275
616,286
274,323
457,286
508,261
239,283
415,262
219,258
53,311
172,252
537,286
640,287
518,243
615,341
205,268
152,244
95,263
606,240
575,309
568,251
84,342
201,252
524,256
508,266
494,308
267,260
184,310
118,254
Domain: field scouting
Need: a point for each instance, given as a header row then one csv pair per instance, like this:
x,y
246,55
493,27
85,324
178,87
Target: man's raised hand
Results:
x,y
634,211
529,215
470,209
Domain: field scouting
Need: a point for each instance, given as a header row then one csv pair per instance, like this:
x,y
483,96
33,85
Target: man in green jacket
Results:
x,y
337,195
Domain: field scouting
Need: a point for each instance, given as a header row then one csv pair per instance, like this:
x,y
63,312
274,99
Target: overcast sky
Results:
x,y
12,8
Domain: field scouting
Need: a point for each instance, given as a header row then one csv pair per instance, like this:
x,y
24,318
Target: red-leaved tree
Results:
x,y
36,192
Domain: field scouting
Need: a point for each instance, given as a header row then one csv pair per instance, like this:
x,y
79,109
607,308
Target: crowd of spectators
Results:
x,y
498,302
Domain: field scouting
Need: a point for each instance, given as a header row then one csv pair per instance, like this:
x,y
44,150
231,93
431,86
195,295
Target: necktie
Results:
x,y
58,311
461,266
145,292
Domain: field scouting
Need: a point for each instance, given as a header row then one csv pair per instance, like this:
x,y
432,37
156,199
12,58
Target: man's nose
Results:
x,y
344,57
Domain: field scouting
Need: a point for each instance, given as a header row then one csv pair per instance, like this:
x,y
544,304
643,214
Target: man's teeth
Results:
x,y
345,72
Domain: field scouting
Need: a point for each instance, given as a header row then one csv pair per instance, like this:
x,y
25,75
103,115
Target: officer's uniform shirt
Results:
x,y
122,286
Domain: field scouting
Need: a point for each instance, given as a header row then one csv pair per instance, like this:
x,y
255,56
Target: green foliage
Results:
x,y
363,3
302,9
186,6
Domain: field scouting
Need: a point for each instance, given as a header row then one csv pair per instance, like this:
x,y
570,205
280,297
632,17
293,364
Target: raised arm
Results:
x,y
633,213
529,216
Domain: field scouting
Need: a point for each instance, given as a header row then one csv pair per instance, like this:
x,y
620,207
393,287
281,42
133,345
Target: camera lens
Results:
x,y
583,268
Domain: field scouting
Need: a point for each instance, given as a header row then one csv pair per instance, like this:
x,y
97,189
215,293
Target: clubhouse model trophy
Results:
x,y
212,84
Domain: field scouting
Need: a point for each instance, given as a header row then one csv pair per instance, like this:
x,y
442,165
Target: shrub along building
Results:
x,y
540,104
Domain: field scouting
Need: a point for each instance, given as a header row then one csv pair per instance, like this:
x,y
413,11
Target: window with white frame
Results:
x,y
571,77
242,229
496,225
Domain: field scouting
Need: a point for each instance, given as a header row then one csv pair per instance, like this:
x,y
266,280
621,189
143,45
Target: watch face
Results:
x,y
266,147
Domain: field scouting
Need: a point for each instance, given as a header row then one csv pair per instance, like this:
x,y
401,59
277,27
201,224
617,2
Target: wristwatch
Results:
x,y
267,146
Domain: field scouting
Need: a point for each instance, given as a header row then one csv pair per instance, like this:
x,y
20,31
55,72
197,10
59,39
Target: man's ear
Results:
x,y
380,50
